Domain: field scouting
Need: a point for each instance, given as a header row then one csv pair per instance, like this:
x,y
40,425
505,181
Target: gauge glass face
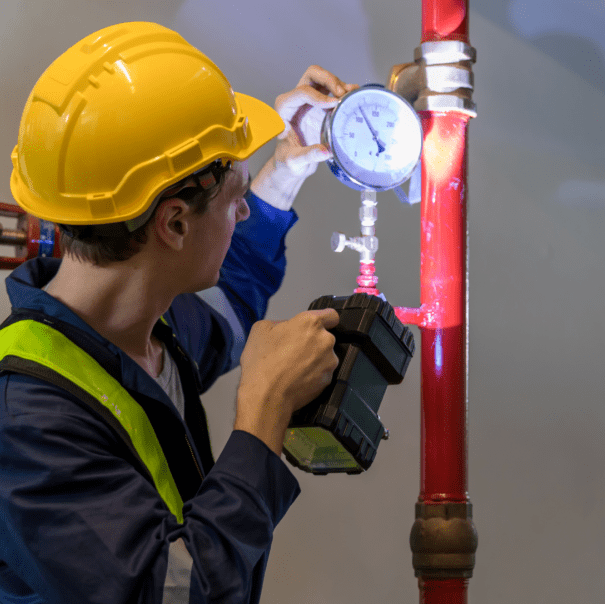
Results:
x,y
376,137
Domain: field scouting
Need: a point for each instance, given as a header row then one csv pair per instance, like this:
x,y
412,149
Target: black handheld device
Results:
x,y
340,430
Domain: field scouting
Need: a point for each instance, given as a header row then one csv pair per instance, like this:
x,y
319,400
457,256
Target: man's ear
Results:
x,y
171,222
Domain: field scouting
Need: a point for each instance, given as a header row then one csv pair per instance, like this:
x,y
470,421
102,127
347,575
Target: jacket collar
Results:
x,y
24,287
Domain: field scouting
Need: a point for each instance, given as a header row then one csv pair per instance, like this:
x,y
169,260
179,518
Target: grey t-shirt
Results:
x,y
170,382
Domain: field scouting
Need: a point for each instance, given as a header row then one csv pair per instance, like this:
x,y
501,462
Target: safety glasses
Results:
x,y
206,178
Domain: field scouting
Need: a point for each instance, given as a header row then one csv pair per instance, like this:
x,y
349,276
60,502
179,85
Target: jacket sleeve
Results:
x,y
79,523
256,263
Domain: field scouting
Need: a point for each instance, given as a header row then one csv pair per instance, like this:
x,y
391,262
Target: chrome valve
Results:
x,y
367,243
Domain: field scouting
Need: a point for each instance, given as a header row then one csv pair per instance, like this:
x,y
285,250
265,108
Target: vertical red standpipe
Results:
x,y
444,20
443,471
442,321
444,448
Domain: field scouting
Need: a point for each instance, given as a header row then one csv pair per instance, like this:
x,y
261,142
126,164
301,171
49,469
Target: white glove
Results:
x,y
299,150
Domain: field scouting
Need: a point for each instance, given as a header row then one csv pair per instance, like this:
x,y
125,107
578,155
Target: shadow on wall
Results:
x,y
580,55
571,33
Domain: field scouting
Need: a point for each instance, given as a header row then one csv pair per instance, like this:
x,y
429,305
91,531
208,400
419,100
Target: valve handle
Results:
x,y
11,211
33,236
338,241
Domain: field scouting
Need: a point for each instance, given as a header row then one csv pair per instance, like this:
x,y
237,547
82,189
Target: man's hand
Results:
x,y
299,150
285,365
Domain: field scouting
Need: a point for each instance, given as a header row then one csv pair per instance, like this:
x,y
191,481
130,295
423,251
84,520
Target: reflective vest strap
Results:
x,y
41,344
33,369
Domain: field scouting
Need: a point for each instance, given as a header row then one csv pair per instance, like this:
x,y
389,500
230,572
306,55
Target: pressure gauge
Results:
x,y
375,137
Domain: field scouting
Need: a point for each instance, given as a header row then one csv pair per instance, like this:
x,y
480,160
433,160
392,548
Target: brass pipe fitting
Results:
x,y
443,541
440,79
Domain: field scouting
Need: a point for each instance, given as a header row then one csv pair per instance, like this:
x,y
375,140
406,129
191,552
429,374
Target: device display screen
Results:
x,y
317,448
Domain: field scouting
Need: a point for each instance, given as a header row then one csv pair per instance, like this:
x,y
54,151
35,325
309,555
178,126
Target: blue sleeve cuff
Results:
x,y
248,459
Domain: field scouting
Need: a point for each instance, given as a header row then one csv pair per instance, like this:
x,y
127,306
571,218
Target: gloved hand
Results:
x,y
299,150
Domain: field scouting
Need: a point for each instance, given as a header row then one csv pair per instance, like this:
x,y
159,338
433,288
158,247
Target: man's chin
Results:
x,y
206,284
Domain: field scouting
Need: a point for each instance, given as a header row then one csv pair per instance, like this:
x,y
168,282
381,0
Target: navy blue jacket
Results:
x,y
79,523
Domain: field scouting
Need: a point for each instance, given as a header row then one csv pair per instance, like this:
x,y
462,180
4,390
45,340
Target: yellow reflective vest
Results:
x,y
34,347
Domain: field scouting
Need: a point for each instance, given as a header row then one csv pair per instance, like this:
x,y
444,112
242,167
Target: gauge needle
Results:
x,y
380,144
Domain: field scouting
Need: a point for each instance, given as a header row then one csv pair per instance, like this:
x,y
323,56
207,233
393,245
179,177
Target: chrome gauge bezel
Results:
x,y
336,164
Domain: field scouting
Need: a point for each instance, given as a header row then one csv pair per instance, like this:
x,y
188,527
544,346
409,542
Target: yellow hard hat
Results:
x,y
120,116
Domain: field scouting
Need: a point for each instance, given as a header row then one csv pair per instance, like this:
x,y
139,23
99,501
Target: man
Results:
x,y
134,142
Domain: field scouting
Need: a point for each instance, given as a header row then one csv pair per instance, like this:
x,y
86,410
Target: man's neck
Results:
x,y
121,302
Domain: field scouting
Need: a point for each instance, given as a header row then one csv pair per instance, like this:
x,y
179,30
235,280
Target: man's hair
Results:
x,y
86,245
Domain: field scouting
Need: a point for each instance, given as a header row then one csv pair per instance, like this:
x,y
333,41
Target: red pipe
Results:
x,y
445,590
443,292
40,237
442,313
444,20
443,295
9,262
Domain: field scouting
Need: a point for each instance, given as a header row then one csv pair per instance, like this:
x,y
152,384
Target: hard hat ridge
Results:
x,y
123,114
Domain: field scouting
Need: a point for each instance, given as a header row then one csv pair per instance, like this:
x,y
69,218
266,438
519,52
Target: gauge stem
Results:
x,y
368,244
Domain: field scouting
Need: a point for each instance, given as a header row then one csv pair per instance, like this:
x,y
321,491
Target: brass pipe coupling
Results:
x,y
443,541
441,78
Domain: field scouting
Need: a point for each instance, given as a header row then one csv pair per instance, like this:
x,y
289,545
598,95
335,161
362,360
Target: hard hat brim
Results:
x,y
259,123
264,123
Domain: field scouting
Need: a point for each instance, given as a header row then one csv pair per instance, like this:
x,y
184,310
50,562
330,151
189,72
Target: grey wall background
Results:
x,y
536,214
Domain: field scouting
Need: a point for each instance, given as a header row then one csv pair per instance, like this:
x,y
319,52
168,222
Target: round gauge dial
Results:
x,y
375,137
